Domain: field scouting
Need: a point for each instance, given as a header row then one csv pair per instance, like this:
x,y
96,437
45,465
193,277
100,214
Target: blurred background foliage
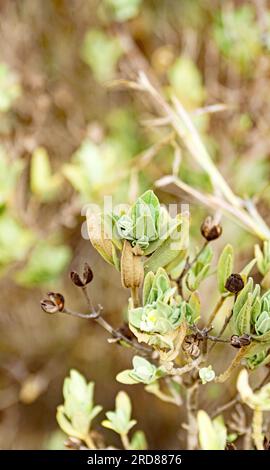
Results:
x,y
67,140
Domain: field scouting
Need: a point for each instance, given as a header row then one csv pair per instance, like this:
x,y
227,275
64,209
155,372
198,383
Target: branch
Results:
x,y
96,316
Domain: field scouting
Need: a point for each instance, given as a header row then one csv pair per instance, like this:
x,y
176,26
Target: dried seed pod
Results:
x,y
240,341
191,346
234,283
48,306
54,304
132,272
86,278
210,230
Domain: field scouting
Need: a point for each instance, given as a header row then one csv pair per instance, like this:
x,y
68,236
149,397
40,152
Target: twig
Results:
x,y
239,215
236,399
96,316
187,368
125,441
218,306
257,434
226,323
189,265
235,363
225,407
192,406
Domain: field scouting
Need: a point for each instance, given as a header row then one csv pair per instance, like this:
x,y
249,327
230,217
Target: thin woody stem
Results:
x,y
189,265
227,321
89,442
236,399
125,441
184,127
187,368
215,311
257,434
225,407
135,296
204,334
192,406
235,363
96,316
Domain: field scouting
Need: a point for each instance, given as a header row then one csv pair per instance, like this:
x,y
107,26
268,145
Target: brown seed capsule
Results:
x,y
210,230
48,306
191,346
54,304
58,299
234,283
240,341
86,278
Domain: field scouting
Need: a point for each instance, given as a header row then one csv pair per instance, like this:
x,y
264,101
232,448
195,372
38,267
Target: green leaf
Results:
x,y
108,424
242,296
122,10
177,265
46,264
10,170
123,404
225,267
255,400
244,317
78,411
147,286
212,434
138,441
120,420
186,81
167,251
15,240
207,374
237,35
44,184
102,65
125,378
247,269
193,280
10,88
195,305
65,424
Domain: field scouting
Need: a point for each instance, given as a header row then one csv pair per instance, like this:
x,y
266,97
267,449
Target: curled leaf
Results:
x,y
100,239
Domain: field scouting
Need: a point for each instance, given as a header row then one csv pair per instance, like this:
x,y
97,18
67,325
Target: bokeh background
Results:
x,y
66,139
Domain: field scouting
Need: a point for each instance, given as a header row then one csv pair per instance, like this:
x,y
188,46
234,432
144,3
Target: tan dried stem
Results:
x,y
235,363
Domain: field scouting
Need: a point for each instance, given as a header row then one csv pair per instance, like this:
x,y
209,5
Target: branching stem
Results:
x,y
96,316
